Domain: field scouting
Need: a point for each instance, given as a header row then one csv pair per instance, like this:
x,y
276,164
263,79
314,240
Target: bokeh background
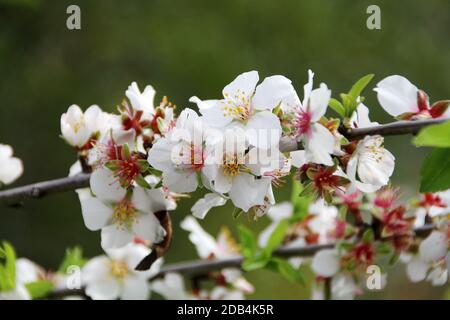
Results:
x,y
186,48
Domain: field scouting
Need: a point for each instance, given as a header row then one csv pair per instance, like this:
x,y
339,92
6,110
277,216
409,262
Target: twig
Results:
x,y
201,267
14,197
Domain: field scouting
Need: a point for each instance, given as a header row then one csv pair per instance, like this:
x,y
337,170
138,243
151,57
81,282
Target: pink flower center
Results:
x,y
303,122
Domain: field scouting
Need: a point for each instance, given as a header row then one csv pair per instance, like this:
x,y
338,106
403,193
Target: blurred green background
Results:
x,y
186,48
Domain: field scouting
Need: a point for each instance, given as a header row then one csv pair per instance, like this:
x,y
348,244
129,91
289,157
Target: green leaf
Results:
x,y
368,236
434,136
359,86
337,107
257,262
247,241
73,257
140,180
8,269
277,237
435,172
39,289
284,268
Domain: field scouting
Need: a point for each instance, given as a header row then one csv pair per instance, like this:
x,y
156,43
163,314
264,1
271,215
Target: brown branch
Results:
x,y
202,267
15,196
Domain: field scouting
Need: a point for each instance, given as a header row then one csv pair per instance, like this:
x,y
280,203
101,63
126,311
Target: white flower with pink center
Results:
x,y
400,98
317,140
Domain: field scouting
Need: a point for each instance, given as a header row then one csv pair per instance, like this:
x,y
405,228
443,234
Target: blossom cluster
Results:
x,y
145,157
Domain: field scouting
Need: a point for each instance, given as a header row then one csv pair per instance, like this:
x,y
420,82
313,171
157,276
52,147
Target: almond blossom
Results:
x,y
181,154
11,168
317,140
371,165
112,276
249,105
122,214
400,98
81,130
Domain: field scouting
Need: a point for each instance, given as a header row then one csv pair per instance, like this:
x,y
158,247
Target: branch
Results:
x,y
201,267
14,197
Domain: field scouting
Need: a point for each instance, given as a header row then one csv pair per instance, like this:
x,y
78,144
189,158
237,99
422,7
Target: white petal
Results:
x,y
281,211
212,113
203,205
417,269
204,242
318,102
434,247
105,289
10,170
105,186
114,236
438,276
160,155
263,130
96,214
360,118
320,145
273,91
245,83
326,263
247,191
397,95
180,181
171,287
222,183
149,228
298,158
135,288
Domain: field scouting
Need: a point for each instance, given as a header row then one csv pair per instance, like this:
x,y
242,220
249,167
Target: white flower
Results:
x,y
318,141
121,215
370,165
171,287
251,106
203,205
78,128
142,101
113,276
400,98
433,259
323,221
11,168
326,263
181,154
233,169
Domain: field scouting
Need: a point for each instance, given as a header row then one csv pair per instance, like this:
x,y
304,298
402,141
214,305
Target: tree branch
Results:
x,y
201,267
15,197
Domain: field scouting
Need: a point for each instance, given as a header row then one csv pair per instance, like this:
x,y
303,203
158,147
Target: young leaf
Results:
x,y
434,136
73,257
435,172
277,236
8,270
337,107
247,241
359,86
39,289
